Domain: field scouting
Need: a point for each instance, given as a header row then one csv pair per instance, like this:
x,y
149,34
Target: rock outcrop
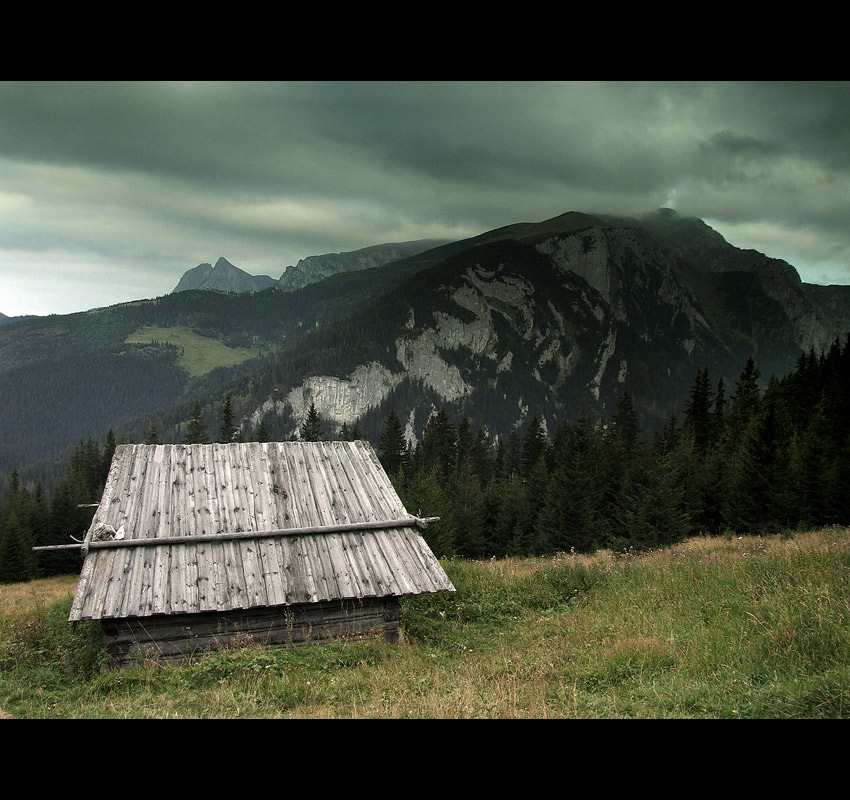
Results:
x,y
554,317
315,268
223,277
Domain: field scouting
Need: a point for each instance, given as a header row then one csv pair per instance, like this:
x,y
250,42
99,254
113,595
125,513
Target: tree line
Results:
x,y
31,517
748,459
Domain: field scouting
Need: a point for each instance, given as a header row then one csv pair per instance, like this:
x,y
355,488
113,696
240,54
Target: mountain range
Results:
x,y
551,319
225,277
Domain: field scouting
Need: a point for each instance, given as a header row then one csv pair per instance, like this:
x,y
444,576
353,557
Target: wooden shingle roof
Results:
x,y
218,527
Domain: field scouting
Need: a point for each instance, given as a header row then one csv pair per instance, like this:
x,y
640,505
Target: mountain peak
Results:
x,y
223,277
574,220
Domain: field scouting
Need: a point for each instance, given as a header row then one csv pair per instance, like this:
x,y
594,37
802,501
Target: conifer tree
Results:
x,y
719,415
228,430
706,489
625,428
813,472
744,404
152,436
666,440
621,448
698,419
504,500
480,456
17,561
652,511
534,444
571,515
311,427
392,448
466,512
509,454
425,495
463,438
262,432
528,539
196,429
759,493
437,448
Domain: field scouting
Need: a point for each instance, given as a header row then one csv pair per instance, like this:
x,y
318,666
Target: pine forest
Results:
x,y
756,457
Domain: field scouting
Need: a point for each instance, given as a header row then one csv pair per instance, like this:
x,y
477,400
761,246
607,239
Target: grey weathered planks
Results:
x,y
158,492
177,637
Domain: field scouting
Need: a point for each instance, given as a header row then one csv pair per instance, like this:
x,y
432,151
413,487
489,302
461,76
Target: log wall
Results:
x,y
177,638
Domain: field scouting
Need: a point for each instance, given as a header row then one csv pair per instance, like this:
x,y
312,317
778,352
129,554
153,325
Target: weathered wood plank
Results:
x,y
177,638
225,527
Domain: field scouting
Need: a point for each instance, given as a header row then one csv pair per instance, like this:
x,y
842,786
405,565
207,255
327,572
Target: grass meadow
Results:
x,y
199,355
713,628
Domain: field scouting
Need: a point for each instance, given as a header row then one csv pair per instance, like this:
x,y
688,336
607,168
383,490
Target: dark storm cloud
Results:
x,y
206,132
135,182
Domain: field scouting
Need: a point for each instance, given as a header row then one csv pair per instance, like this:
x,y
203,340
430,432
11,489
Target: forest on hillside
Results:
x,y
748,458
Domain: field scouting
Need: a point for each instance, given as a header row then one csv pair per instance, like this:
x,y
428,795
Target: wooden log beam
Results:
x,y
344,527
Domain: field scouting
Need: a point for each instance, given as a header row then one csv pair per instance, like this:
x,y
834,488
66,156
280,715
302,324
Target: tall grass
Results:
x,y
711,628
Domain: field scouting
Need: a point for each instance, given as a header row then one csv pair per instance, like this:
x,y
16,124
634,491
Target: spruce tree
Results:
x,y
392,448
480,455
196,429
571,516
311,427
621,448
652,510
744,405
17,561
228,430
466,513
262,432
718,422
152,436
698,419
813,473
625,428
426,495
528,539
534,444
463,438
760,491
437,448
509,454
504,502
65,520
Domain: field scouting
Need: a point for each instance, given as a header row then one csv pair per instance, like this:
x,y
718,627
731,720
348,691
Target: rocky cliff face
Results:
x,y
558,321
781,283
344,400
487,321
223,277
815,313
315,268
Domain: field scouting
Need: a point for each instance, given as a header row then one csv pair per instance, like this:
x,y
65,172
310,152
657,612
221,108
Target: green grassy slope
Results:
x,y
713,628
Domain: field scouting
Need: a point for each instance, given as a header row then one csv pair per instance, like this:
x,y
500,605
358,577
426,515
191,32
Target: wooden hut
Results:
x,y
197,547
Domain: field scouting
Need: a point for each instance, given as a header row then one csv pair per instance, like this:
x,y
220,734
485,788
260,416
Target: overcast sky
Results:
x,y
110,191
